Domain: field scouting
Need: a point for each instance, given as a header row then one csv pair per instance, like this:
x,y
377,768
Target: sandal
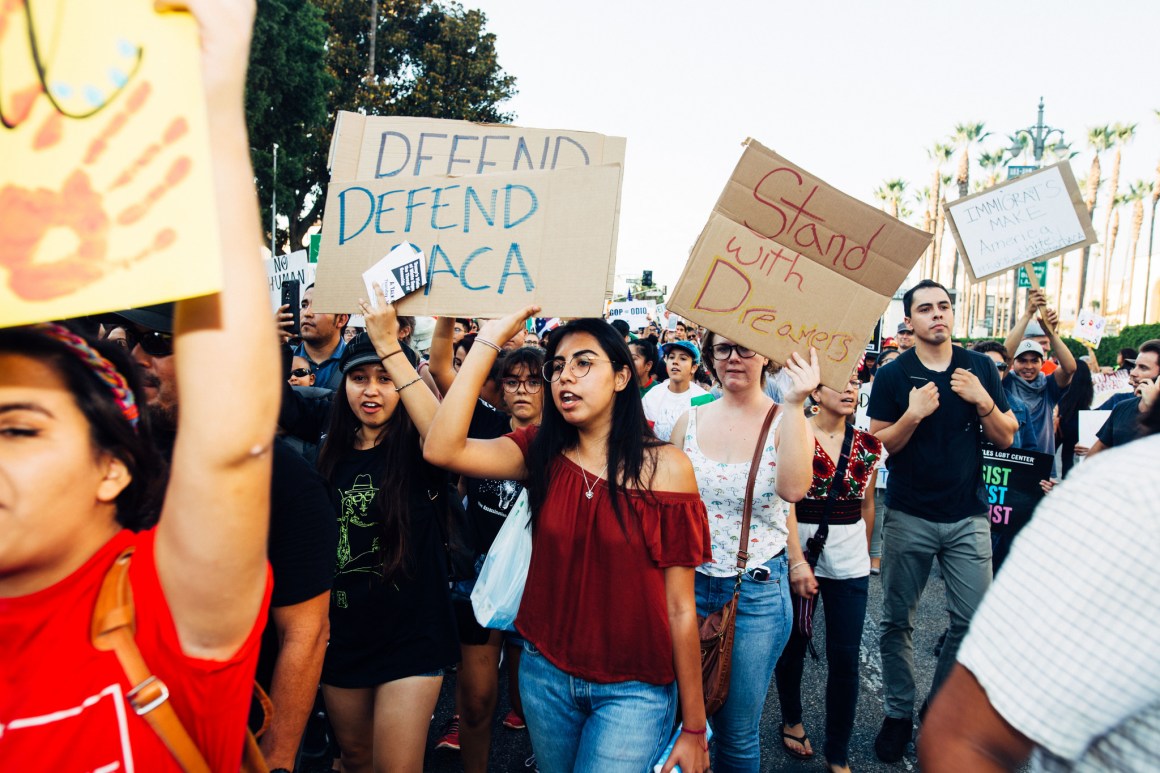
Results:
x,y
802,739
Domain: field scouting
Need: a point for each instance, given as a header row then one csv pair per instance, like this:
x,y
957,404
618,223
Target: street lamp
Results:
x,y
1038,135
274,203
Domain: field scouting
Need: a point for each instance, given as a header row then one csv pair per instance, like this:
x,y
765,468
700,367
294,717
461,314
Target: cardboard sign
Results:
x,y
295,265
493,243
787,262
106,196
409,150
635,313
1012,479
1033,217
1089,329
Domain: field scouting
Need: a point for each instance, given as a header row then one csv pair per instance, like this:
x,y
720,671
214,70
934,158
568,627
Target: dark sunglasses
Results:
x,y
153,343
1002,366
300,372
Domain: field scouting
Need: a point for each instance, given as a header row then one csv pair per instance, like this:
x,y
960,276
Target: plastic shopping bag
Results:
x,y
497,593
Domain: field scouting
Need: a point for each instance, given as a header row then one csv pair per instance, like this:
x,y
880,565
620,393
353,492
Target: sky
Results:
x,y
852,91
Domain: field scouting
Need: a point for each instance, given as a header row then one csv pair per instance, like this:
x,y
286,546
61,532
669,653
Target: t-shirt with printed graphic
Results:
x,y
62,702
489,501
382,629
663,407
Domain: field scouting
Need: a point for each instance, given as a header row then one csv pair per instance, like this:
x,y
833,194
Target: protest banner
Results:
x,y
1012,478
1089,329
494,243
1033,217
787,262
390,147
635,313
105,187
294,265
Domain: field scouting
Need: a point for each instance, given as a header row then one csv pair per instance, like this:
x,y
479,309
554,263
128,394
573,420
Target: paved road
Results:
x,y
511,749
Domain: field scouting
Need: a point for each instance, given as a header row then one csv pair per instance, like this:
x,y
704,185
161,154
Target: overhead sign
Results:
x,y
106,189
1033,217
1040,269
404,156
787,262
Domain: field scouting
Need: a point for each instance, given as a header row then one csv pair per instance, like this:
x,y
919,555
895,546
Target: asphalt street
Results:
x,y
511,750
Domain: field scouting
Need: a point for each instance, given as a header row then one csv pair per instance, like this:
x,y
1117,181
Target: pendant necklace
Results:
x,y
583,474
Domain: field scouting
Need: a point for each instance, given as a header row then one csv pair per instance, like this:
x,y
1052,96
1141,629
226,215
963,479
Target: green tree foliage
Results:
x,y
431,59
286,103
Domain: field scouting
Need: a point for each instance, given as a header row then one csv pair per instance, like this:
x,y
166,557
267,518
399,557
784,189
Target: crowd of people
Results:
x,y
322,522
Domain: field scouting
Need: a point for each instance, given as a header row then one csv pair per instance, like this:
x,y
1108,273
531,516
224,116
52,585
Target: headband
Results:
x,y
98,364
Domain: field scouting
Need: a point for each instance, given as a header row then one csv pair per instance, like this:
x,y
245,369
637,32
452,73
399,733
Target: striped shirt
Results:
x,y
1067,642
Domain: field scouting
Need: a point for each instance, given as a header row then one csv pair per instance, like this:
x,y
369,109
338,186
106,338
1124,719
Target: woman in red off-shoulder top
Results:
x,y
608,611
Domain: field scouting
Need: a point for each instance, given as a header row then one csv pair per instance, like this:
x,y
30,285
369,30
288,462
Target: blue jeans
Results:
x,y
583,726
764,617
844,602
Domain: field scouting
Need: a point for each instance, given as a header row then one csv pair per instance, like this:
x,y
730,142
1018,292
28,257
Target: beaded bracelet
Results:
x,y
409,383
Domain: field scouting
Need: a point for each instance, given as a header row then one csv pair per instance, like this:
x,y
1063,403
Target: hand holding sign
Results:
x,y
804,377
499,331
382,323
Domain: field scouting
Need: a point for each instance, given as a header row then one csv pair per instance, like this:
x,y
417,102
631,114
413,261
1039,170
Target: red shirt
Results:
x,y
62,705
594,603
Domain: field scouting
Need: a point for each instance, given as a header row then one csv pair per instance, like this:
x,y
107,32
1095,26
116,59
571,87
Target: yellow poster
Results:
x,y
105,179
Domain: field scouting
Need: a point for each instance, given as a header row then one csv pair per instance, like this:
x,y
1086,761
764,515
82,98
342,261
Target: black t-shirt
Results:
x,y
1123,426
302,542
382,629
938,475
489,501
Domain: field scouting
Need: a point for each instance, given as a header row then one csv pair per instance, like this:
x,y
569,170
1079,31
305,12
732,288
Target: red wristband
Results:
x,y
695,732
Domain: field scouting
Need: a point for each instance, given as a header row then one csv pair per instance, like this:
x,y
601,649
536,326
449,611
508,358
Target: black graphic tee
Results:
x,y
382,629
489,501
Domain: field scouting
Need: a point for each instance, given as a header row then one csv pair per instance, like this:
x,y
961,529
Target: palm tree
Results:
x,y
991,163
1151,234
964,136
1137,192
939,153
890,193
1122,134
1100,139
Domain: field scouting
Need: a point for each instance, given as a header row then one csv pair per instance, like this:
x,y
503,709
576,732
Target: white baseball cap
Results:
x,y
1027,345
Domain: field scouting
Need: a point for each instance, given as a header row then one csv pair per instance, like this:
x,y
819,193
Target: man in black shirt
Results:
x,y
932,408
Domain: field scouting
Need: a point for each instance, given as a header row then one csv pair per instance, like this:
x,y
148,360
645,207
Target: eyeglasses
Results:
x,y
300,372
578,366
1002,366
154,343
724,351
530,385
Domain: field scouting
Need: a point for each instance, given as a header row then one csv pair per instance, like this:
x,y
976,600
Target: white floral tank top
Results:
x,y
722,488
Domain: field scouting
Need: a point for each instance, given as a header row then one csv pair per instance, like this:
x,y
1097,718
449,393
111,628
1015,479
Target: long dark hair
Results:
x,y
631,458
139,504
1079,394
400,461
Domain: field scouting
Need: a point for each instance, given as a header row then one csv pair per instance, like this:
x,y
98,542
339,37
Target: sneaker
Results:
x,y
513,721
450,737
890,744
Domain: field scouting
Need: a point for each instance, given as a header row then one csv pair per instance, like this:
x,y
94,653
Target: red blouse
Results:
x,y
594,604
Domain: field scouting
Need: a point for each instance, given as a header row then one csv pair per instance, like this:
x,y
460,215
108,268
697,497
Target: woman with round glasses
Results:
x,y
719,439
489,502
608,611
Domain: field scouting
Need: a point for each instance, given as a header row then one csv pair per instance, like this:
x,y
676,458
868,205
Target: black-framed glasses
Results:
x,y
530,385
300,372
724,351
154,342
578,366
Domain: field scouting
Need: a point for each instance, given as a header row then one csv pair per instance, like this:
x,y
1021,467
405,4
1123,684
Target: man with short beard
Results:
x,y
932,408
322,342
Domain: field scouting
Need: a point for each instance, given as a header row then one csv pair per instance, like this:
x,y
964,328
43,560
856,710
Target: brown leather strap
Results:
x,y
747,508
113,628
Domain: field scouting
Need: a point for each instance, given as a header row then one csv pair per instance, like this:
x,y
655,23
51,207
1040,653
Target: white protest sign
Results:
x,y
1090,423
635,313
1089,329
279,268
1033,217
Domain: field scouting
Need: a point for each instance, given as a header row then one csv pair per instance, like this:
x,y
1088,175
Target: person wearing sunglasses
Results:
x,y
608,612
300,372
720,438
1025,435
